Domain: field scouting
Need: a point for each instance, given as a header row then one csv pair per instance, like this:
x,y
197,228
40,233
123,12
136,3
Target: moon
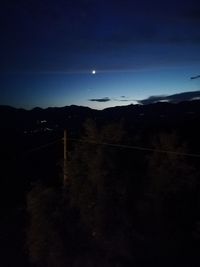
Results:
x,y
93,72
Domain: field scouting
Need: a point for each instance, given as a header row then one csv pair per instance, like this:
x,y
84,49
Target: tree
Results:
x,y
44,241
169,199
98,187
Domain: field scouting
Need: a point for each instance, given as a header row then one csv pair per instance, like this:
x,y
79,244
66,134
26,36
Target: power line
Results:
x,y
137,148
43,146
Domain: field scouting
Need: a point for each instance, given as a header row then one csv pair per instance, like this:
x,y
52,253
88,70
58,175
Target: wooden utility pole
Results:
x,y
65,157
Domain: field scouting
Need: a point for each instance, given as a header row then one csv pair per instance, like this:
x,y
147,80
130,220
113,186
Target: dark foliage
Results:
x,y
120,207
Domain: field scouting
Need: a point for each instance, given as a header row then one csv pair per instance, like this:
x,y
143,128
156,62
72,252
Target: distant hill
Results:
x,y
29,128
147,115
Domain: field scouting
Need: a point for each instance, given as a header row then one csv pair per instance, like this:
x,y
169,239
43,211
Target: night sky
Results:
x,y
138,49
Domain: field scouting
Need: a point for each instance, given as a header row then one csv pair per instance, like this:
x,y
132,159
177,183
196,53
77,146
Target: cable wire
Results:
x,y
43,146
138,148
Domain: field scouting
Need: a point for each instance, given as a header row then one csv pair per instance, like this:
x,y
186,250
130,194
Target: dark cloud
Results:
x,y
125,99
153,99
186,96
195,77
104,99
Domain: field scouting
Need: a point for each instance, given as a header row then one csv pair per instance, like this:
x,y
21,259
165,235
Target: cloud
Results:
x,y
186,96
176,98
125,99
195,77
153,99
104,99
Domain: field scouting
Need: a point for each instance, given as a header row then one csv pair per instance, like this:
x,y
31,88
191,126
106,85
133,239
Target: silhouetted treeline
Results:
x,y
120,207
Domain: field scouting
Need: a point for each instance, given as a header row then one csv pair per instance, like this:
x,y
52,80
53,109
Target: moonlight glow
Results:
x,y
94,72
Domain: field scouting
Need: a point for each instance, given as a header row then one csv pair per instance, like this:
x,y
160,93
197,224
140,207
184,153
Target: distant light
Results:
x,y
94,72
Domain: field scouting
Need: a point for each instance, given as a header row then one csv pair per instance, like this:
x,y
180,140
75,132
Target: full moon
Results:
x,y
94,72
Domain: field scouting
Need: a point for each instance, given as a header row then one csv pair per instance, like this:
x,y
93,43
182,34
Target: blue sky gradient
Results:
x,y
138,49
